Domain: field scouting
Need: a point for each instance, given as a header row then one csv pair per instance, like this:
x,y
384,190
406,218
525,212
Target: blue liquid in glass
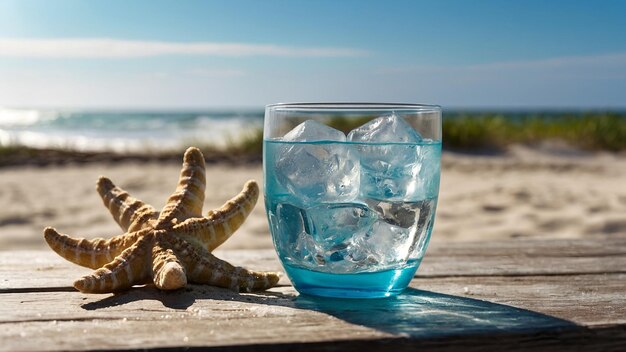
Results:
x,y
377,284
357,221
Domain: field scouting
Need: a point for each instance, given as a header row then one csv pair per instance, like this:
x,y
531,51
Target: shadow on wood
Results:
x,y
413,314
184,298
426,314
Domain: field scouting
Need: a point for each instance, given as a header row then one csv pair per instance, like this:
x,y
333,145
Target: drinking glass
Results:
x,y
350,192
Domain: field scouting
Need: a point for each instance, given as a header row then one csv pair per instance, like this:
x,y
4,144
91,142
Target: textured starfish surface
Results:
x,y
170,247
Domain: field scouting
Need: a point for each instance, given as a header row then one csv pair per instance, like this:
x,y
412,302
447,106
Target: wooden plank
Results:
x,y
206,316
501,258
518,294
599,247
523,258
587,300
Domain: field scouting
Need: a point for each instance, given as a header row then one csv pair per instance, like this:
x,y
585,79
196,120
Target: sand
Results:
x,y
525,193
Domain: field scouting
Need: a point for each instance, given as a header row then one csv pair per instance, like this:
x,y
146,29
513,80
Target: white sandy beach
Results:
x,y
525,194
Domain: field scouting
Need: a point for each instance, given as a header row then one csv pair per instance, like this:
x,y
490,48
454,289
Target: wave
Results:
x,y
19,117
123,131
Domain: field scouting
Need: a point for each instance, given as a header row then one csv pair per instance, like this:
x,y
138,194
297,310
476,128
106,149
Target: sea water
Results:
x,y
351,219
122,131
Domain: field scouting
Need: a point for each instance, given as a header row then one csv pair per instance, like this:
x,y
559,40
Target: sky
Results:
x,y
203,54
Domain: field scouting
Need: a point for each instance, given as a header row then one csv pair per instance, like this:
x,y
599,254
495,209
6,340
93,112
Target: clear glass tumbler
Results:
x,y
350,192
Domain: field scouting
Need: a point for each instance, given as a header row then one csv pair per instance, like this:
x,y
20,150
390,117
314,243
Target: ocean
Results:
x,y
124,131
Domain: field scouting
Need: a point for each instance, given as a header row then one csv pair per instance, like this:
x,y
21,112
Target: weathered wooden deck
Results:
x,y
467,296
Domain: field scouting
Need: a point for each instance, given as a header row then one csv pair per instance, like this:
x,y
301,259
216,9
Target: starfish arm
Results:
x,y
130,213
167,271
222,223
188,198
89,253
123,272
205,268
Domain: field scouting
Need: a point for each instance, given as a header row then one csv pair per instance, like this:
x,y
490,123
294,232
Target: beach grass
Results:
x,y
250,142
591,131
246,147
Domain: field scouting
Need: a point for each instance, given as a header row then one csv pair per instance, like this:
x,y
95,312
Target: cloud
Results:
x,y
605,61
590,61
224,72
107,48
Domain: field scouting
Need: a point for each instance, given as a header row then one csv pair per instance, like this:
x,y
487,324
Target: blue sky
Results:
x,y
196,54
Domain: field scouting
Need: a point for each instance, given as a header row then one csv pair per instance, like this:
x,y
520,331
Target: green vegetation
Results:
x,y
249,143
248,147
591,131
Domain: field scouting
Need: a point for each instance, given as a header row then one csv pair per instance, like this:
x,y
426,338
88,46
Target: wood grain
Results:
x,y
510,295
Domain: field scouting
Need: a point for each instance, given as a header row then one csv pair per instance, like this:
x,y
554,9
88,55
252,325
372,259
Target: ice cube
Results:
x,y
389,150
330,227
337,259
402,214
334,223
308,252
392,128
382,246
291,221
319,165
424,228
295,241
313,131
289,224
430,159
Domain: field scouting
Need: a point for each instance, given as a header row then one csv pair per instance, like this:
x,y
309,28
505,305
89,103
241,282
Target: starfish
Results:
x,y
170,247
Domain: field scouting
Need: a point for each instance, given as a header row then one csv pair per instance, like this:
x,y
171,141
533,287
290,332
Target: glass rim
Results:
x,y
352,106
